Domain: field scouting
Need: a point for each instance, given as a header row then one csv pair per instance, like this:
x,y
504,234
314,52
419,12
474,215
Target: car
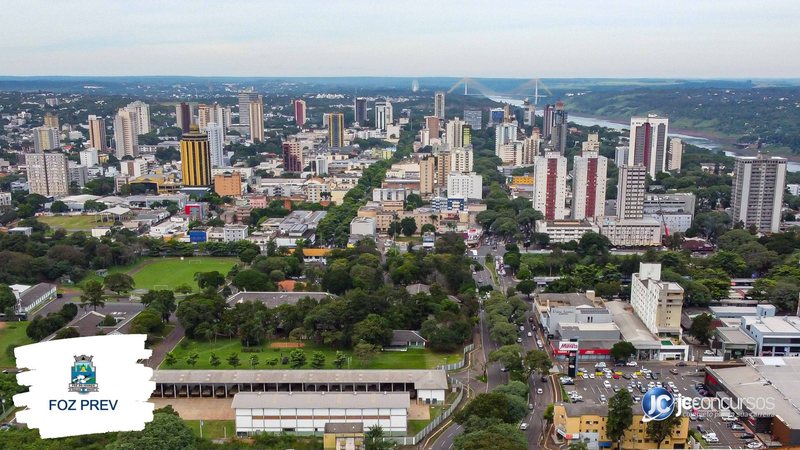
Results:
x,y
606,384
681,364
692,417
755,444
728,418
600,365
616,388
713,440
521,328
503,369
746,436
626,376
701,417
636,398
539,391
654,376
530,334
736,427
634,376
673,371
615,376
591,376
701,430
631,364
602,398
5,427
630,389
519,340
530,406
709,352
523,426
608,376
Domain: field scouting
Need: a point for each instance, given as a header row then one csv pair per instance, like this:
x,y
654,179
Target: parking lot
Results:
x,y
599,389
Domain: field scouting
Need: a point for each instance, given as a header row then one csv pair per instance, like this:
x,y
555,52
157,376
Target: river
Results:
x,y
699,141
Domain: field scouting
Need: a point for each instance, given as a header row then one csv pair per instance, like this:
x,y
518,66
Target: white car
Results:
x,y
607,384
599,365
539,391
591,376
715,440
755,444
728,418
631,364
709,352
523,426
602,398
530,334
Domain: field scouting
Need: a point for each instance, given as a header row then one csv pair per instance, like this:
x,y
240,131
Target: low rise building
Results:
x,y
631,232
774,336
733,343
233,233
362,226
30,297
562,231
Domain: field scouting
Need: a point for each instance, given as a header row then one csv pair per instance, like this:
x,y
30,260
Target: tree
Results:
x,y
658,430
165,432
408,225
66,333
580,445
297,358
549,413
251,280
161,301
526,287
364,352
374,330
508,356
537,361
191,360
317,360
118,282
92,294
214,360
211,279
702,328
7,298
234,361
620,416
490,405
183,289
169,359
147,322
375,439
622,350
59,207
427,228
254,361
340,360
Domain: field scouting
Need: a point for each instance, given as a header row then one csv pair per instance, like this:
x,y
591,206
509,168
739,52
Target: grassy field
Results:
x,y
213,429
12,333
223,348
168,273
415,426
73,223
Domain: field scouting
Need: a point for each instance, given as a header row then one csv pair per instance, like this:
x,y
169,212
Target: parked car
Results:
x,y
631,364
530,406
673,371
681,364
755,444
736,427
523,426
746,436
530,334
602,398
539,391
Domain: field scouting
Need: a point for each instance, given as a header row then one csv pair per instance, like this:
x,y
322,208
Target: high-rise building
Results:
x,y
466,135
195,158
550,185
299,112
292,157
532,146
183,116
438,105
503,134
142,111
89,157
216,144
589,185
513,154
530,113
454,133
245,98
45,138
621,155
758,185
228,183
427,175
97,133
658,303
256,118
48,173
547,121
444,165
203,116
630,192
51,120
474,118
496,116
461,159
432,124
383,114
360,112
465,185
215,113
559,133
592,143
126,133
336,130
78,173
675,155
648,143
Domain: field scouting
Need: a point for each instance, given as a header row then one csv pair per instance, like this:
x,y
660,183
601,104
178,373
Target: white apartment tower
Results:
x,y
675,155
383,114
648,143
454,132
89,157
216,143
589,185
550,185
438,105
630,192
467,186
503,134
126,133
758,187
461,159
658,303
48,174
142,111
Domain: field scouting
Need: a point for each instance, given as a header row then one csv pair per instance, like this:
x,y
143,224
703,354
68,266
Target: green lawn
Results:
x,y
168,273
73,223
213,429
13,333
223,348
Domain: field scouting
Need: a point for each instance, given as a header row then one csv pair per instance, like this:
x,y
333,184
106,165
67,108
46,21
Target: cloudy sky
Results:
x,y
525,39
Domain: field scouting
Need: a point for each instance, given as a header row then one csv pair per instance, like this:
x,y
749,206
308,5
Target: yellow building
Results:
x,y
195,158
228,184
343,436
522,180
585,422
51,120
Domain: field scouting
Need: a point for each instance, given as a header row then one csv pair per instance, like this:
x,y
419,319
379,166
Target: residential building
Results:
x,y
51,120
29,298
658,303
559,132
233,233
468,186
474,118
383,114
675,155
5,199
758,187
216,143
228,183
562,231
433,125
648,143
48,174
360,113
78,174
299,112
142,111
675,211
389,194
631,232
444,165
550,185
292,157
133,167
461,159
454,133
529,113
126,134
245,98
97,133
504,133
438,105
195,158
89,157
336,130
496,116
621,155
362,226
630,192
46,138
256,118
183,116
427,175
589,185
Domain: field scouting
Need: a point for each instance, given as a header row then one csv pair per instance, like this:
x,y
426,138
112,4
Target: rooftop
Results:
x,y
774,325
275,299
321,400
556,300
734,335
344,427
631,326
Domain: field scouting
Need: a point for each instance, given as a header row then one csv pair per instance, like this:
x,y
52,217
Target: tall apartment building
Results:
x,y
503,134
438,105
461,159
216,143
427,175
292,157
474,118
467,186
48,174
547,121
142,111
589,185
658,303
675,155
214,113
228,183
383,114
299,112
183,116
758,185
360,111
648,143
256,120
550,185
559,133
89,157
97,133
336,130
592,143
245,98
630,192
45,138
444,165
432,124
496,116
515,153
126,134
195,158
51,120
454,133
529,113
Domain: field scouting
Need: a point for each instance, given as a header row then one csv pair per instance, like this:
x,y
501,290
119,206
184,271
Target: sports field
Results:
x,y
223,348
168,273
11,333
73,223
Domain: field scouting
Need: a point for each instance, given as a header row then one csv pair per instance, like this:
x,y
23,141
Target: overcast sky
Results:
x,y
506,38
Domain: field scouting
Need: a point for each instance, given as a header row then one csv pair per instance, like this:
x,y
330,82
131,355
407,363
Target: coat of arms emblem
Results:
x,y
84,376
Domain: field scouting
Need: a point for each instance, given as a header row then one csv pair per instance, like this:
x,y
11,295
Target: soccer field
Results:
x,y
168,273
72,223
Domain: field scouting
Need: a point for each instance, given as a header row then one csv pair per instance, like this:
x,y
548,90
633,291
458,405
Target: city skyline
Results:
x,y
669,39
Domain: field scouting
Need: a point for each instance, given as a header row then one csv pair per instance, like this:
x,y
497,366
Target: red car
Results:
x,y
615,376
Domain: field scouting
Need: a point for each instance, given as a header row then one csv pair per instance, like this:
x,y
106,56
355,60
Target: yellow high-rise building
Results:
x,y
336,130
51,120
195,158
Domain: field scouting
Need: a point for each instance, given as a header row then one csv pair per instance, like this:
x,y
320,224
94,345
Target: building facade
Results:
x,y
630,192
195,158
758,187
438,105
658,303
336,130
292,157
383,114
45,138
589,185
648,143
97,133
126,134
299,112
48,174
550,185
142,111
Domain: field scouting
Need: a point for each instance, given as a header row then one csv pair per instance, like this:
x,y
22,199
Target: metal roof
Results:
x,y
247,400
